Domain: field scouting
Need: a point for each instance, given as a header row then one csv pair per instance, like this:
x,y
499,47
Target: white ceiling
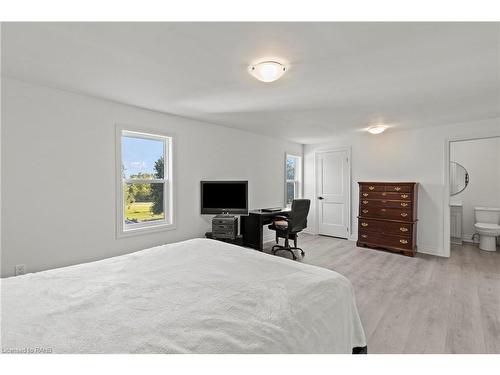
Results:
x,y
343,76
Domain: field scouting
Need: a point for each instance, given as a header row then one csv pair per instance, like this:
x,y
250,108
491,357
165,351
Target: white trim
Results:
x,y
316,204
168,182
146,230
446,178
144,181
431,250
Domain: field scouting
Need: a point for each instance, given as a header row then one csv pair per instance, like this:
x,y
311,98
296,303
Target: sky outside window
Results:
x,y
140,155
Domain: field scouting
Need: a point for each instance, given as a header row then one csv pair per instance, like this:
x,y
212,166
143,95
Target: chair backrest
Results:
x,y
300,209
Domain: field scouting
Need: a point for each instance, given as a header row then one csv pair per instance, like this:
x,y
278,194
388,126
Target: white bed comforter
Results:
x,y
196,296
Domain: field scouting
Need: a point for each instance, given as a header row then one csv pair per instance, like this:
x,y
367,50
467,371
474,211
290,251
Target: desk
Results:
x,y
253,224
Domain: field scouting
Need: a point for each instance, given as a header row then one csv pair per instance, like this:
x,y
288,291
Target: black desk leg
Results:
x,y
252,231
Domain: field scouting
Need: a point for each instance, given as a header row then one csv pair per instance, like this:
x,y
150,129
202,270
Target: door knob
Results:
x,y
321,198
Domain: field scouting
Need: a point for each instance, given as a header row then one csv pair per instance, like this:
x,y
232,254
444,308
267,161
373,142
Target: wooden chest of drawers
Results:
x,y
388,216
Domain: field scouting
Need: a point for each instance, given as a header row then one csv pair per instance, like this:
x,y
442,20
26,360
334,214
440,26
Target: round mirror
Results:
x,y
459,178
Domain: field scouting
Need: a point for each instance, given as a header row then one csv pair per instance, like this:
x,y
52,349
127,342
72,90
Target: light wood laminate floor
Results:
x,y
424,304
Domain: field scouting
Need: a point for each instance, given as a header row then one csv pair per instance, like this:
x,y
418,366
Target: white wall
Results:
x,y
481,159
397,155
58,174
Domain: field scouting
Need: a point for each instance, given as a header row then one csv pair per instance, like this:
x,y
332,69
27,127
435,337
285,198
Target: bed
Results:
x,y
195,296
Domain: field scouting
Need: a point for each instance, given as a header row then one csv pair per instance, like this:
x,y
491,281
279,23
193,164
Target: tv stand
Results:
x,y
225,226
238,240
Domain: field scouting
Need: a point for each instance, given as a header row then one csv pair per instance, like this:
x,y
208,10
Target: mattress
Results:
x,y
195,296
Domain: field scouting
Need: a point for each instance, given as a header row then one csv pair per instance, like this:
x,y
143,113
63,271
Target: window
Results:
x,y
145,182
293,178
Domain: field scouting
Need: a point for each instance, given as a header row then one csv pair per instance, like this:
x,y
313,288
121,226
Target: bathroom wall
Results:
x,y
481,158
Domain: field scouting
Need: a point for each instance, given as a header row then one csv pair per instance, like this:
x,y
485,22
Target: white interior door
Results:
x,y
333,193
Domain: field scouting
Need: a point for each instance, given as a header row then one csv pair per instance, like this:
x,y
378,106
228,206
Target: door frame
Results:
x,y
349,191
446,177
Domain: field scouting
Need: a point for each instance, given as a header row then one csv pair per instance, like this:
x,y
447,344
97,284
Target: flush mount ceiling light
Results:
x,y
377,129
267,71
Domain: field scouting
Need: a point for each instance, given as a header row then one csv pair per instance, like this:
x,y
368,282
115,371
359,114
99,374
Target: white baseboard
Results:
x,y
468,238
310,231
431,250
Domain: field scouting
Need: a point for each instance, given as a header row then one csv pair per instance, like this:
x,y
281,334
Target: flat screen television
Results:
x,y
219,197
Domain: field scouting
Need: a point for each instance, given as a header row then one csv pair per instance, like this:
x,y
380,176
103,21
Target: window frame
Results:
x,y
297,182
167,223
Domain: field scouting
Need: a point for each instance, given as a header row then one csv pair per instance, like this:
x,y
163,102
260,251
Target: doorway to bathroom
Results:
x,y
474,194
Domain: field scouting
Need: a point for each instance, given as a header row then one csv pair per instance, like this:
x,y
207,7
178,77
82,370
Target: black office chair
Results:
x,y
288,227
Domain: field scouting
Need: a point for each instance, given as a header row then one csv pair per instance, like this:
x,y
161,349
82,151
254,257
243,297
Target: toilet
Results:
x,y
487,226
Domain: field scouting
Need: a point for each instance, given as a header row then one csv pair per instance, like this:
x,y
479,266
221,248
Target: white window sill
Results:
x,y
129,232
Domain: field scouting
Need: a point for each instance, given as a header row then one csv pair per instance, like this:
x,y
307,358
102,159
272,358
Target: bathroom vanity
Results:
x,y
456,214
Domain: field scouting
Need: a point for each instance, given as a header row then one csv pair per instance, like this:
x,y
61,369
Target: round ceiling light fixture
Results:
x,y
377,129
267,71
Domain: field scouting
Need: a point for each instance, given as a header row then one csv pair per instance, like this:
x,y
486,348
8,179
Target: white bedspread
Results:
x,y
196,296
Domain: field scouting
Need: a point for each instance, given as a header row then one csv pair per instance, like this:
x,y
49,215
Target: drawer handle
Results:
x,y
371,187
364,224
404,204
384,194
403,229
383,209
365,211
365,202
404,195
404,214
364,236
365,194
403,241
397,188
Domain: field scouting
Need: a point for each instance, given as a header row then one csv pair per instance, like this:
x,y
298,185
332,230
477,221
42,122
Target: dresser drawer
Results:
x,y
374,187
385,240
385,227
399,188
387,187
385,203
386,213
385,195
